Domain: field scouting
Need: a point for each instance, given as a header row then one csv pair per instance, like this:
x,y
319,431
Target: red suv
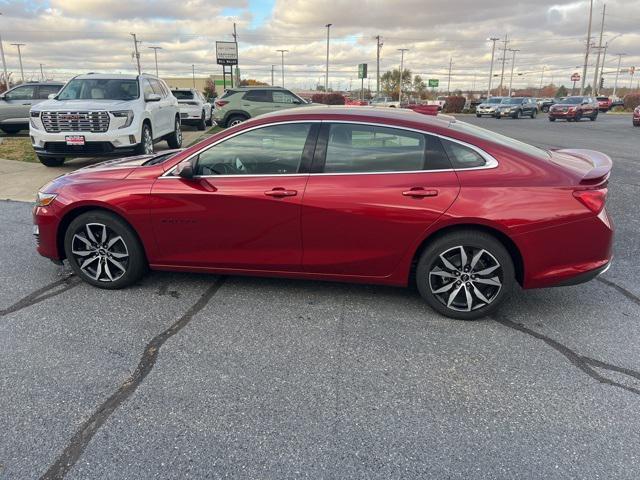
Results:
x,y
343,194
604,103
573,109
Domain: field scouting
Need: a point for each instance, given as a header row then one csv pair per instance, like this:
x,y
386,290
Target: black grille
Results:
x,y
75,121
88,147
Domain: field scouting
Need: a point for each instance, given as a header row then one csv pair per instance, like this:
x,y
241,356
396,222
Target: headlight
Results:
x,y
35,114
45,199
128,114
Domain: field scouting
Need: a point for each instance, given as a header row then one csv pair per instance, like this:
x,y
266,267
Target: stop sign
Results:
x,y
575,77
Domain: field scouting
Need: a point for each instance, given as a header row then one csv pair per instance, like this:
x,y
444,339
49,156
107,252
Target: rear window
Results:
x,y
500,139
228,93
182,94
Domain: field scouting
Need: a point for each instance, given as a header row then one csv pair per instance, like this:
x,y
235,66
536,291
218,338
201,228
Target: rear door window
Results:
x,y
45,90
257,96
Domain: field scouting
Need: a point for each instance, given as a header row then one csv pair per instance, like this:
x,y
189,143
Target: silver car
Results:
x,y
16,103
488,107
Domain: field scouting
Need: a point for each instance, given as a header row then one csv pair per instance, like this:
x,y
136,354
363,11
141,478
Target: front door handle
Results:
x,y
420,192
280,192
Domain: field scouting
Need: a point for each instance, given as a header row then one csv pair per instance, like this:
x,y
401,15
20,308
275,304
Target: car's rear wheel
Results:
x,y
12,129
174,139
145,147
465,275
545,109
202,124
235,120
51,161
104,251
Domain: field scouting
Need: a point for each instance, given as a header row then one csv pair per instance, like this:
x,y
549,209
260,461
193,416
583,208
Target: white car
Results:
x,y
384,102
194,109
105,115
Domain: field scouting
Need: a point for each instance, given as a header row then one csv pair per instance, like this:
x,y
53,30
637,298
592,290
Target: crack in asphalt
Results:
x,y
90,427
582,362
620,289
42,294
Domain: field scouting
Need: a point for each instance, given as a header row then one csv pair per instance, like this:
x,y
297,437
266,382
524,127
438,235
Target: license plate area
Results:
x,y
74,139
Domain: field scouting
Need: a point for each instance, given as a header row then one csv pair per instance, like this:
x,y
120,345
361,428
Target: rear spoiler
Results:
x,y
600,164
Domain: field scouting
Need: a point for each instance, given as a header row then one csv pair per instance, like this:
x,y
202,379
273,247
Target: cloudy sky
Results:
x,y
76,36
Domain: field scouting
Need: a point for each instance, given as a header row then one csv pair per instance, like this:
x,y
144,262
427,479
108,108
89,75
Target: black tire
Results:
x,y
534,113
578,117
235,120
516,115
51,161
134,263
545,109
210,121
174,139
145,147
593,117
202,124
13,129
551,119
448,246
478,115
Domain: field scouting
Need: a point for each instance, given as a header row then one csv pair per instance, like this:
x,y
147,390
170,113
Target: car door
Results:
x,y
43,92
16,104
153,108
377,191
284,99
256,102
166,114
242,209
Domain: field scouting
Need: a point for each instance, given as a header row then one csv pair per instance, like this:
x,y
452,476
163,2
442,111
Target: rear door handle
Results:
x,y
419,192
281,192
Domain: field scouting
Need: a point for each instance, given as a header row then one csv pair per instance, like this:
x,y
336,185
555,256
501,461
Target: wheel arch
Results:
x,y
231,113
74,213
505,240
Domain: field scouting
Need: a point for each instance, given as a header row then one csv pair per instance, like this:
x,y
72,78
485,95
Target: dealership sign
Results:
x,y
575,77
362,70
227,53
433,82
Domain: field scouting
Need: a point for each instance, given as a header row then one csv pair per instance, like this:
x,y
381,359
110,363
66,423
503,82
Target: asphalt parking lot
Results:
x,y
196,376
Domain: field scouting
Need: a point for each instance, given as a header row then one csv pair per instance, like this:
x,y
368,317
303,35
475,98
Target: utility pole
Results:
x,y
18,45
272,67
586,53
4,64
493,52
41,73
401,50
326,78
596,87
235,39
155,54
378,47
283,52
137,54
193,74
449,78
604,56
504,59
541,80
615,85
513,62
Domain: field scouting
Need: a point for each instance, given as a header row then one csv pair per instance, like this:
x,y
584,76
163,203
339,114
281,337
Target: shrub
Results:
x,y
631,101
454,104
328,98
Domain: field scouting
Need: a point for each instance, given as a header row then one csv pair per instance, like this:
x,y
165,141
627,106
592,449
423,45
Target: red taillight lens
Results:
x,y
594,200
221,103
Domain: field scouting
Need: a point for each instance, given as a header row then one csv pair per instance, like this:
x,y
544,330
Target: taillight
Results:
x,y
594,200
221,103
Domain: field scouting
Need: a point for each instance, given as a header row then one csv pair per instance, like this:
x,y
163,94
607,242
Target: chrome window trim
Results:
x,y
491,161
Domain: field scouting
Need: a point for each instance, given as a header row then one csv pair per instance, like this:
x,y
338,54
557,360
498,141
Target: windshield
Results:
x,y
99,89
494,100
182,94
511,101
572,100
500,139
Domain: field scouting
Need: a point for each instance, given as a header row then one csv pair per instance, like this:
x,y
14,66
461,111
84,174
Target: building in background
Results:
x,y
200,82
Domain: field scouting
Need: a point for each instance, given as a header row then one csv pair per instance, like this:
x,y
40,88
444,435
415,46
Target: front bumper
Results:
x,y
636,120
560,114
45,228
113,142
486,112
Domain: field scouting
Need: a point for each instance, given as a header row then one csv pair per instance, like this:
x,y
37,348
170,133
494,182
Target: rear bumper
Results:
x,y
586,276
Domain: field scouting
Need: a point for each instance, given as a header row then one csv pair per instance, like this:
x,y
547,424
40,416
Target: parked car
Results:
x,y
516,107
242,103
343,194
617,102
384,102
16,102
574,109
636,117
105,115
194,109
488,107
604,103
425,109
545,103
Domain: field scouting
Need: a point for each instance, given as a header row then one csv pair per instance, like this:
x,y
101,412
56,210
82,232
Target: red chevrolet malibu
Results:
x,y
344,194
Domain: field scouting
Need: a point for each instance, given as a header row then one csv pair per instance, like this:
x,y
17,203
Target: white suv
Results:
x,y
194,109
105,115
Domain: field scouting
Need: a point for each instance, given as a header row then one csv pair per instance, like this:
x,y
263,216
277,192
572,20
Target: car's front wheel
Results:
x,y
465,275
174,139
145,147
202,124
104,251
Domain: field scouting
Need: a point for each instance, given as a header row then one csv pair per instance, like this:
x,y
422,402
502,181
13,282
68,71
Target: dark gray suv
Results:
x,y
16,103
516,107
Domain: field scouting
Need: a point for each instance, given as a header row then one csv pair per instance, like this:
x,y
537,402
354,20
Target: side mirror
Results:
x,y
185,170
51,96
152,97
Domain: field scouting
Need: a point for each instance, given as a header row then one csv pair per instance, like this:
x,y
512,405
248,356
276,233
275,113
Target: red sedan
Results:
x,y
343,194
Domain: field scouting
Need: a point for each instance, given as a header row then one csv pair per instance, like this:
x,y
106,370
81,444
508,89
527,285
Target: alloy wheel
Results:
x,y
465,278
147,141
100,253
178,133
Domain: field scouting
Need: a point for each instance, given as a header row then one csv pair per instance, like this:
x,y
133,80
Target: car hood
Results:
x,y
116,169
73,105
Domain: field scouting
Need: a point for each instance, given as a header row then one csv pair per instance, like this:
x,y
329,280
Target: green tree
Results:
x,y
562,91
419,87
391,79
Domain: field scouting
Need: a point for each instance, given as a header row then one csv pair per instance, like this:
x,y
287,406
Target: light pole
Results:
x,y
193,74
155,54
4,64
493,52
586,53
326,78
41,73
401,50
283,52
136,53
596,88
513,62
615,84
449,77
18,45
541,80
272,68
378,47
